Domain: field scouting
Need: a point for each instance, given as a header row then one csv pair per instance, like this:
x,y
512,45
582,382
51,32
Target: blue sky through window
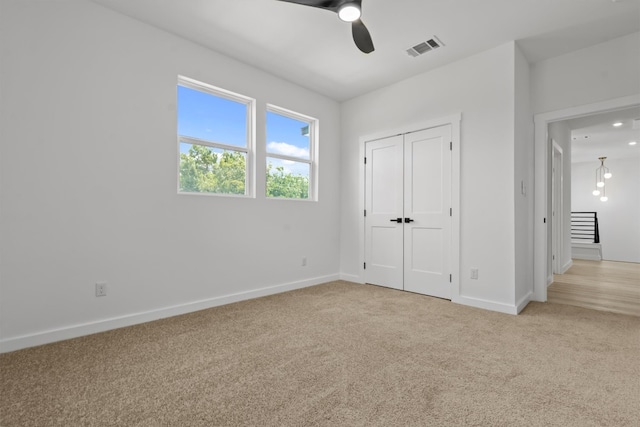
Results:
x,y
285,136
212,118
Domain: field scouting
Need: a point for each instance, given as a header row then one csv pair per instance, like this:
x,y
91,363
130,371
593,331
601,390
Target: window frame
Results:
x,y
312,161
250,126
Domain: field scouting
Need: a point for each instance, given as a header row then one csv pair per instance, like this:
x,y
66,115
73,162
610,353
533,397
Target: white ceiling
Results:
x,y
595,136
313,48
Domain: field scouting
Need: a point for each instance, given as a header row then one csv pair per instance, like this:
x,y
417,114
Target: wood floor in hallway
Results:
x,y
600,285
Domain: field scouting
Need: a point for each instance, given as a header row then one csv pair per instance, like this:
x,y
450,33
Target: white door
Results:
x,y
384,196
427,204
408,178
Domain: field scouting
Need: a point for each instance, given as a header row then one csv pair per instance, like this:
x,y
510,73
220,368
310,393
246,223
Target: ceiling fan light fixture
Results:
x,y
349,12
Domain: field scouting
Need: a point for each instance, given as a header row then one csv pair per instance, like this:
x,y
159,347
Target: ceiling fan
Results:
x,y
348,11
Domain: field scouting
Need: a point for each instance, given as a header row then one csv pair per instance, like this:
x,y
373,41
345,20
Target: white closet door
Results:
x,y
408,219
383,204
427,203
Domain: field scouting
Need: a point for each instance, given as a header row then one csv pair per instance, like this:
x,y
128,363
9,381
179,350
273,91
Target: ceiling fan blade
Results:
x,y
361,36
331,5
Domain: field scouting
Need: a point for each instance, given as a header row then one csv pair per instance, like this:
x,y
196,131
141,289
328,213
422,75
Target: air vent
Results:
x,y
424,47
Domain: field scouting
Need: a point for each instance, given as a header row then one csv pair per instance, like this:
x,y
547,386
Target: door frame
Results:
x,y
557,206
453,120
542,179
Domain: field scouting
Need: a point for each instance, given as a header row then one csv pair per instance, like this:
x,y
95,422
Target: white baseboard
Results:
x,y
588,251
350,278
520,305
487,305
589,257
102,325
567,266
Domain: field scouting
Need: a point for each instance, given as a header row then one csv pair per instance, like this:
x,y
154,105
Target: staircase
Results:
x,y
585,236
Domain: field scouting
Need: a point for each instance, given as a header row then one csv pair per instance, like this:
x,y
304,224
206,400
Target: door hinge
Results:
x,y
450,211
450,145
365,265
450,278
365,160
365,212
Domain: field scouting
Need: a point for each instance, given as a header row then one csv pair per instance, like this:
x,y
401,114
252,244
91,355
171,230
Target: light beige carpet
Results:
x,y
338,354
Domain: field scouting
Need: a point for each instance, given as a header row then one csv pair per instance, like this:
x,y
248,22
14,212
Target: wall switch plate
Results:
x,y
304,261
101,289
474,273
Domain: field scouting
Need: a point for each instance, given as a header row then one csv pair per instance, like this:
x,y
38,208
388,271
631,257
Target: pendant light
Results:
x,y
602,174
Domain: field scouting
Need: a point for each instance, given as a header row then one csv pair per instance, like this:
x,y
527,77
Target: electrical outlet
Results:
x,y
101,289
304,261
474,273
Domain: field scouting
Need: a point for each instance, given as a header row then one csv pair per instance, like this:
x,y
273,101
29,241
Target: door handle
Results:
x,y
398,220
407,220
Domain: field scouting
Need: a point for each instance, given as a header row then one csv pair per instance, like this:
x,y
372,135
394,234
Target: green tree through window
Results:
x,y
290,146
214,138
216,142
287,185
202,170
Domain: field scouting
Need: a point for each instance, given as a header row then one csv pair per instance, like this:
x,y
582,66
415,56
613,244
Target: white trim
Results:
x,y
454,121
566,266
581,250
211,144
312,161
589,257
455,204
520,305
350,278
557,204
74,331
214,90
488,305
541,208
249,149
290,158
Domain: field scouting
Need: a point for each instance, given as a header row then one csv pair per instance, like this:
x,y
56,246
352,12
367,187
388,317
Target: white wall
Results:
x,y
481,87
605,71
523,181
618,217
88,180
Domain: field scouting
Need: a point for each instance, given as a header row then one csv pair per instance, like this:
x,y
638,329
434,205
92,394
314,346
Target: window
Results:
x,y
215,142
291,163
